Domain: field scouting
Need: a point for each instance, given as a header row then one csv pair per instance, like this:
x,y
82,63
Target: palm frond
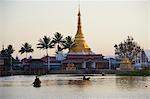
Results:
x,y
45,43
26,47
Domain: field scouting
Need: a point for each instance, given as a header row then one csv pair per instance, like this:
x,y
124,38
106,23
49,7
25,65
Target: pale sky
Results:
x,y
104,22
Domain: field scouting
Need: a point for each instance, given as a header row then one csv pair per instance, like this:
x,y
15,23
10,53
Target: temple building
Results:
x,y
81,56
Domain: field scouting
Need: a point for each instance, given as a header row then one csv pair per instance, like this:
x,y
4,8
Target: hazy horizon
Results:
x,y
104,23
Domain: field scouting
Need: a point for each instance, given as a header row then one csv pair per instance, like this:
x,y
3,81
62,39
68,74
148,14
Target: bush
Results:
x,y
134,73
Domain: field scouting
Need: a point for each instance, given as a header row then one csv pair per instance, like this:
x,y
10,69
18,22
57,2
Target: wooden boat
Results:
x,y
84,78
37,85
37,82
103,74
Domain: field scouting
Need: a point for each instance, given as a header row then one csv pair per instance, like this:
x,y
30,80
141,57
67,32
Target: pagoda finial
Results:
x,y
79,19
79,10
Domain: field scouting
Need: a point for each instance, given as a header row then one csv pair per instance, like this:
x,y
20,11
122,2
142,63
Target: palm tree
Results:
x,y
26,48
58,40
45,43
69,43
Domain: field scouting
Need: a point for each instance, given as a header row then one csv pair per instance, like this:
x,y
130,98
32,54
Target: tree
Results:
x,y
69,43
8,53
9,50
45,43
127,49
26,48
58,41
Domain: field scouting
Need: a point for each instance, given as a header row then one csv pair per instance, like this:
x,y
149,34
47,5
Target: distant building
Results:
x,y
114,63
86,61
142,61
4,63
35,66
142,58
147,52
52,63
25,65
4,66
17,64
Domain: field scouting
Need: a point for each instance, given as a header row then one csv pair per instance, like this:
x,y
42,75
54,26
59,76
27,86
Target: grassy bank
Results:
x,y
134,73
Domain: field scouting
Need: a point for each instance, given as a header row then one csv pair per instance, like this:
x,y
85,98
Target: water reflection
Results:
x,y
73,87
130,82
79,83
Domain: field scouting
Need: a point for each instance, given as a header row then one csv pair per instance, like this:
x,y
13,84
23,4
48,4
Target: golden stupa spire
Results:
x,y
79,19
79,30
80,43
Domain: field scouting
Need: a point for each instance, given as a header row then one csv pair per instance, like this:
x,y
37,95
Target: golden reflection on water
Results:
x,y
130,82
72,87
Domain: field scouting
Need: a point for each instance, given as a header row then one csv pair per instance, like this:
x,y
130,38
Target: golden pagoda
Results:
x,y
126,64
80,56
80,44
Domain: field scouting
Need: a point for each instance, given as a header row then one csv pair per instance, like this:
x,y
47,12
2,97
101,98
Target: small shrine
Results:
x,y
126,64
70,66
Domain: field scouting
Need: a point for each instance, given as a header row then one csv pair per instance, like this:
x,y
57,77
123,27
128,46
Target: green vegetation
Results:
x,y
127,49
134,73
26,48
58,41
69,43
45,43
9,50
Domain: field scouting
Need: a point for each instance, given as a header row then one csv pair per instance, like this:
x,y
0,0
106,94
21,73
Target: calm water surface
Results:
x,y
73,87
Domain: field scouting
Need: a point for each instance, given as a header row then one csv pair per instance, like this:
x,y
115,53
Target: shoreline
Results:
x,y
77,73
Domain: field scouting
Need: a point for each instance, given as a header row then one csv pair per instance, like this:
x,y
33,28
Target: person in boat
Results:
x,y
84,78
103,74
37,82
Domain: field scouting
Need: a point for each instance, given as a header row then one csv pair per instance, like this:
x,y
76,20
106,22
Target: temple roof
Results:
x,y
78,58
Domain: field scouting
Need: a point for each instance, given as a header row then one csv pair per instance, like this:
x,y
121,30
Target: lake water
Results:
x,y
73,87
